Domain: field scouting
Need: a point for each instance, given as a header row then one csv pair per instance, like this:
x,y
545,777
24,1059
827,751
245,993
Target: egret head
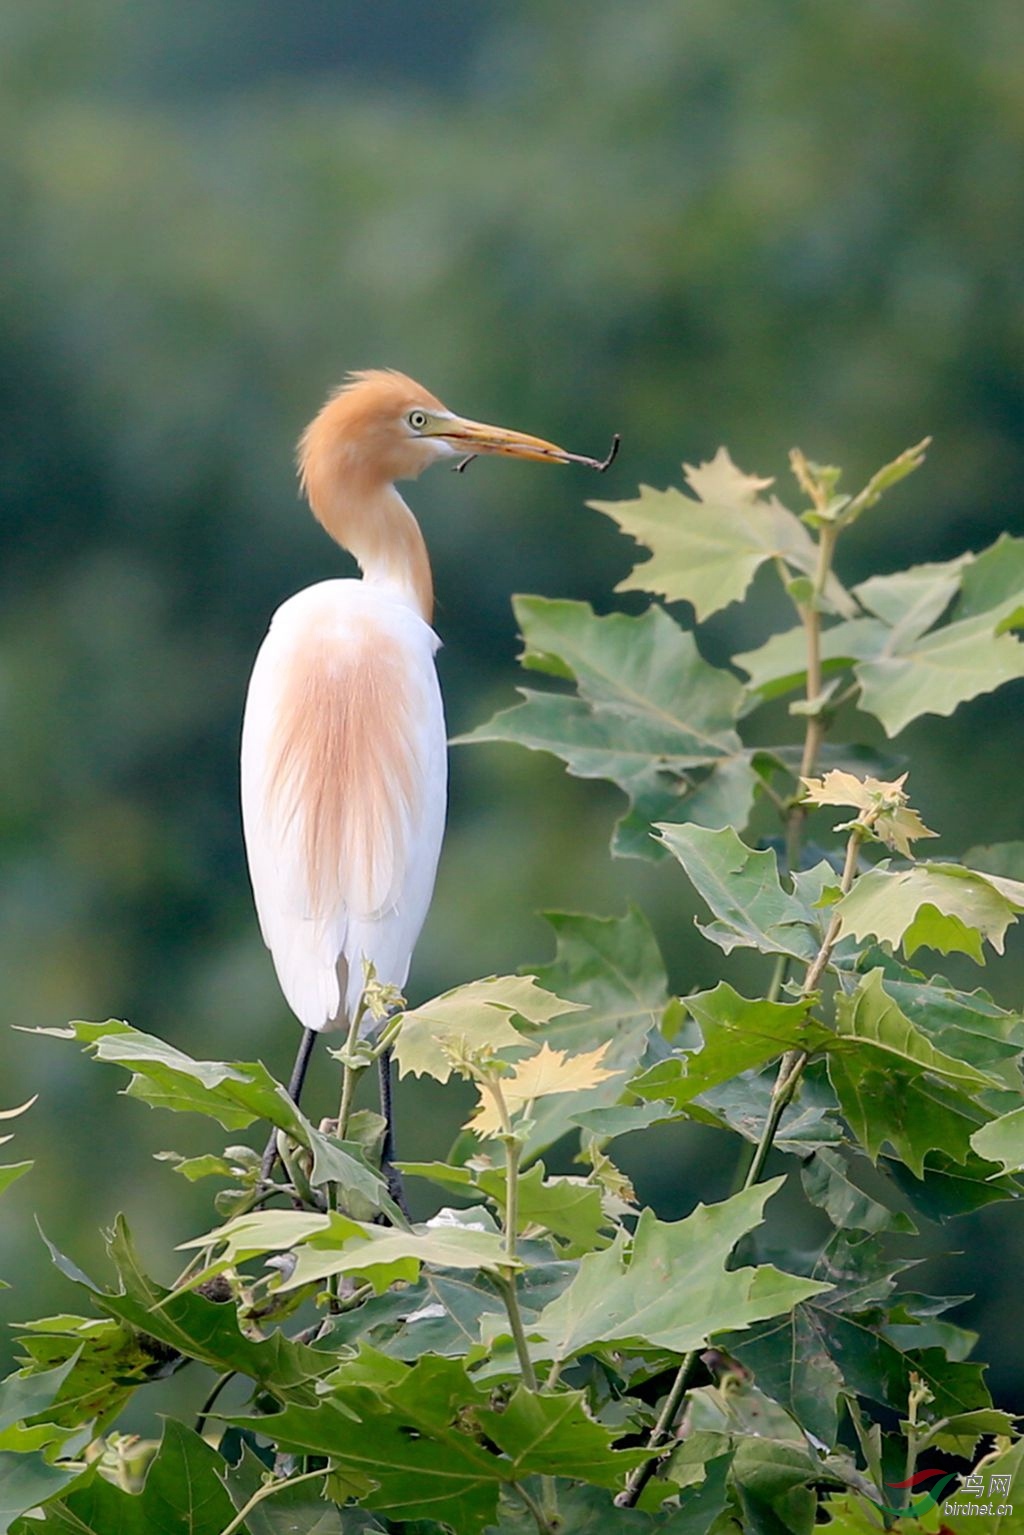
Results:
x,y
380,426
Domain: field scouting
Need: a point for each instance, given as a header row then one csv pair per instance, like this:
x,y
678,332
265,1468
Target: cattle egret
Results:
x,y
344,770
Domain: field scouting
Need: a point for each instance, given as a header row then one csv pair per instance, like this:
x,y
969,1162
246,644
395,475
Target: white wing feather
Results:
x,y
344,784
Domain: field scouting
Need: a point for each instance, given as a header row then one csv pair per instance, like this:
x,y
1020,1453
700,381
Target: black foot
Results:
x,y
396,1188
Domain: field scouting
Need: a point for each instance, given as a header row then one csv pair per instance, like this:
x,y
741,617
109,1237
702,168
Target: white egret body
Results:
x,y
344,777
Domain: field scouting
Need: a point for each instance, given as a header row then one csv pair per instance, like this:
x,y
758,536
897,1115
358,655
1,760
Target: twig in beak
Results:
x,y
600,464
464,463
613,451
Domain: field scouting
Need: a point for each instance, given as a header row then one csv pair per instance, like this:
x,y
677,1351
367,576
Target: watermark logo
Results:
x,y
923,1505
971,1488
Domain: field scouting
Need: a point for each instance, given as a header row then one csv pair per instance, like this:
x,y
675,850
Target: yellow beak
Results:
x,y
472,437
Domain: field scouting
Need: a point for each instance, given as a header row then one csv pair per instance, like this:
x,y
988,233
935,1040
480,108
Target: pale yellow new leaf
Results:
x,y
840,788
549,1071
894,821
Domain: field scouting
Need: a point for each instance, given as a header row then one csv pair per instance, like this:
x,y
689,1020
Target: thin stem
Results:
x,y
543,1526
513,1151
639,1478
349,1074
507,1279
507,1286
211,1397
749,1149
810,617
791,1070
268,1491
824,954
791,1067
919,1395
779,977
780,801
910,1466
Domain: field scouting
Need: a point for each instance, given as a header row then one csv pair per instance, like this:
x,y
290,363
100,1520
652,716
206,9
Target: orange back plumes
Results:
x,y
341,768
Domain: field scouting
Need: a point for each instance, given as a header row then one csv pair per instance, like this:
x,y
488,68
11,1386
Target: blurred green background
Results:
x,y
770,222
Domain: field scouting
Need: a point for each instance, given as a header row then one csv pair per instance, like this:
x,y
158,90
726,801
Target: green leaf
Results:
x,y
917,673
780,664
567,1207
941,906
743,890
295,1508
477,1016
936,674
165,1077
968,1025
625,1297
950,1186
622,1118
10,1172
582,1510
404,1439
442,1313
827,1183
554,1435
194,1168
27,1480
772,1480
707,550
335,1244
233,1093
107,1360
871,1025
344,1163
382,1257
911,1111
993,580
905,666
1002,1140
883,479
909,601
27,1393
792,1362
612,968
182,1495
650,714
850,1514
960,1433
738,1034
836,1341
743,1104
198,1328
700,1507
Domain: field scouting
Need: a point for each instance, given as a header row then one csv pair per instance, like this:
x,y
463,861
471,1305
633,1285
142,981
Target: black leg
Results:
x,y
295,1082
384,1076
298,1076
391,1173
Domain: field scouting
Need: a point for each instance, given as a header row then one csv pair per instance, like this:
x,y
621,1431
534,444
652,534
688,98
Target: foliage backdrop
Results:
x,y
685,223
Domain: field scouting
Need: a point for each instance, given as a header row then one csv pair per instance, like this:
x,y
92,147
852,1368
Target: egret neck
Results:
x,y
374,524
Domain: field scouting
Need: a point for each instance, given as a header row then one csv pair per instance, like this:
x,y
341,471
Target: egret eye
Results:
x,y
417,419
